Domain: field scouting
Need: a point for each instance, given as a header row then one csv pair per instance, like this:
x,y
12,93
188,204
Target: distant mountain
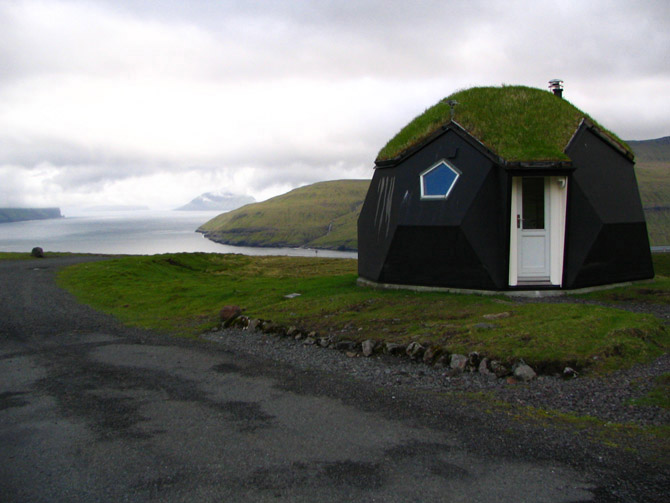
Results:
x,y
321,215
21,214
652,168
657,150
217,201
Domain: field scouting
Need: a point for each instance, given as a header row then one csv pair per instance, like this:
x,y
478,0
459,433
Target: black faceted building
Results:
x,y
509,188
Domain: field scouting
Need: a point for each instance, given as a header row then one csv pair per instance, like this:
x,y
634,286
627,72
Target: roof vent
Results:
x,y
556,87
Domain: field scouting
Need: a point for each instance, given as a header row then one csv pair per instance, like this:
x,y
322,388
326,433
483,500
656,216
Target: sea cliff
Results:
x,y
20,214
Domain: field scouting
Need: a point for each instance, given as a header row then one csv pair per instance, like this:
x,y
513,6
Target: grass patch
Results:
x,y
182,293
659,396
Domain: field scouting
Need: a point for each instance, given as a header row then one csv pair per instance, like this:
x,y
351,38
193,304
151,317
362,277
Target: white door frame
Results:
x,y
555,211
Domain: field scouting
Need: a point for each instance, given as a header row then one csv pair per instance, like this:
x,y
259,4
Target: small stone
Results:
x,y
414,350
430,354
240,321
291,295
458,362
228,314
497,316
291,331
253,325
511,380
368,347
309,341
443,360
37,252
298,336
483,367
272,328
312,334
351,354
569,373
345,345
393,348
498,368
523,372
324,342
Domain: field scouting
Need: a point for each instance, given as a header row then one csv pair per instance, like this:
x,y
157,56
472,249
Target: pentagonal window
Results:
x,y
438,180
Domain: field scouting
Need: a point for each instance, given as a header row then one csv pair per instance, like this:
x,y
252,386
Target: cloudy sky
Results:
x,y
154,102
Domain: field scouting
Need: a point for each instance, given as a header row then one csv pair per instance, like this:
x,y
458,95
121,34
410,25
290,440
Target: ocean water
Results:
x,y
144,232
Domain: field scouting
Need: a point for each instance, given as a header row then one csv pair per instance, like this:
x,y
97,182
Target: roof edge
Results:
x,y
452,125
586,123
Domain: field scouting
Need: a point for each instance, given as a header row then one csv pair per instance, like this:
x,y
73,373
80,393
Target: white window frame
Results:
x,y
453,168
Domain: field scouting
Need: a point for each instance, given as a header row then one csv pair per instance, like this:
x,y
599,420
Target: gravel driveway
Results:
x,y
91,410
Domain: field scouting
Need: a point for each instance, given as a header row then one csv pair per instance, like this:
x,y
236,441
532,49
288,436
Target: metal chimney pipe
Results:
x,y
556,87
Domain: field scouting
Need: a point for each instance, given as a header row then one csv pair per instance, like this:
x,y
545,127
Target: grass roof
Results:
x,y
518,123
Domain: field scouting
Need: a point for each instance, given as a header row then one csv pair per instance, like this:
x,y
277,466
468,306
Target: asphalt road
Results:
x,y
94,411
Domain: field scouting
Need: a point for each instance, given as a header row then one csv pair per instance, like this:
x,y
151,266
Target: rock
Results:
x,y
309,341
229,313
351,354
345,345
523,372
497,316
414,350
484,326
474,359
240,321
511,380
569,373
442,360
430,354
37,252
291,295
458,362
394,349
272,328
254,324
324,342
498,368
291,331
368,347
483,367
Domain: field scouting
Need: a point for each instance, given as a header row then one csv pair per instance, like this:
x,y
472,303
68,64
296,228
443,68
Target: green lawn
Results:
x,y
182,294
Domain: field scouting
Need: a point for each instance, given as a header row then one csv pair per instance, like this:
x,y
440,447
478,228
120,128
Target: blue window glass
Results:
x,y
437,181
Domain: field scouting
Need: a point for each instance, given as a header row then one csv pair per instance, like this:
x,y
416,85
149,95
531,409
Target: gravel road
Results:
x,y
91,410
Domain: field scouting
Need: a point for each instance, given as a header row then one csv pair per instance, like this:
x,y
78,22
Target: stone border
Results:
x,y
430,354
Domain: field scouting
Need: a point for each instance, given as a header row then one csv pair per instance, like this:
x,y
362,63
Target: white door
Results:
x,y
533,233
537,232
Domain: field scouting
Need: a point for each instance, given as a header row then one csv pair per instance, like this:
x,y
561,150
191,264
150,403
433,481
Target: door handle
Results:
x,y
518,221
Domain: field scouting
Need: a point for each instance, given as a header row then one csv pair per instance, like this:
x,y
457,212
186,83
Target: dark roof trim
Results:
x,y
450,126
587,124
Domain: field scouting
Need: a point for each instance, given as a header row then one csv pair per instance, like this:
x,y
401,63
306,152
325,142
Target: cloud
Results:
x,y
115,100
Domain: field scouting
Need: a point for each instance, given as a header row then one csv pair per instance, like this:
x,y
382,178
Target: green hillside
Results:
x,y
322,215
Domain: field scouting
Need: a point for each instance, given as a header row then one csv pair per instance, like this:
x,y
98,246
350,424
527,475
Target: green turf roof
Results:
x,y
518,123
